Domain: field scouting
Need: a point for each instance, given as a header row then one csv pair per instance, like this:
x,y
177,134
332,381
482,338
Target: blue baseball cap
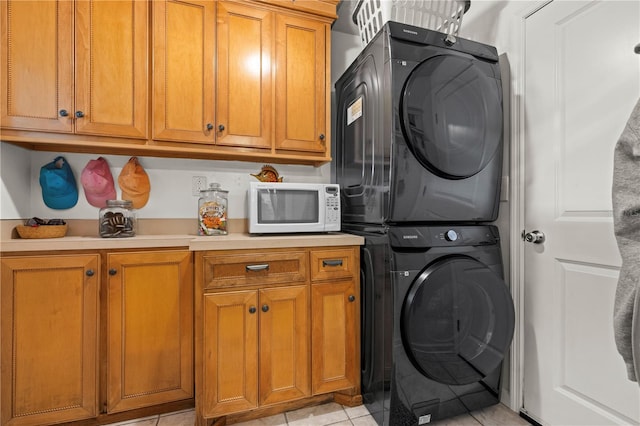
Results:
x,y
59,188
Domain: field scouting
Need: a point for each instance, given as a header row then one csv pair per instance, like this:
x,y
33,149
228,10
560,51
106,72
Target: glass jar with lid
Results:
x,y
212,211
117,219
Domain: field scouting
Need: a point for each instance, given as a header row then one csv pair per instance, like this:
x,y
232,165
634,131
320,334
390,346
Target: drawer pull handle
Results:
x,y
252,310
255,268
332,262
265,308
352,298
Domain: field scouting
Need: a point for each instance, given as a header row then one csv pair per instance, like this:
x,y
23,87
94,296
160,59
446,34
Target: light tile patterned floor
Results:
x,y
337,415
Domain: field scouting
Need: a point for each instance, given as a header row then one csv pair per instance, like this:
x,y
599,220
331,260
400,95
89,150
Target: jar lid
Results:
x,y
120,203
214,187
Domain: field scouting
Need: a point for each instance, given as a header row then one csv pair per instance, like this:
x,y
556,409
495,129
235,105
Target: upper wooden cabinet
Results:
x,y
183,70
230,80
245,86
76,67
268,57
302,84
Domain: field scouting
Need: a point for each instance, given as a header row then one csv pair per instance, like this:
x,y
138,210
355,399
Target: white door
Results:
x,y
582,79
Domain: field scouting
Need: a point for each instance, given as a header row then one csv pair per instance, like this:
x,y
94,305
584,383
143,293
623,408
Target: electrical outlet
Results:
x,y
198,183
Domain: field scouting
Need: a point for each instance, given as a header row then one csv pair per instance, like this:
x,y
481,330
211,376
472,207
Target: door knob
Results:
x,y
535,237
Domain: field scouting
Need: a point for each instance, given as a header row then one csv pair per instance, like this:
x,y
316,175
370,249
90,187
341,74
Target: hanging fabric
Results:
x,y
626,220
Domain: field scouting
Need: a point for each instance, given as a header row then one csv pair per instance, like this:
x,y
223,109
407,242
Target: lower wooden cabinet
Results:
x,y
64,316
149,328
257,348
335,313
335,340
49,334
275,327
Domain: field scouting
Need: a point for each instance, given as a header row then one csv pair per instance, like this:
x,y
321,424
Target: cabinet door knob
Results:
x,y
112,271
209,126
79,114
265,308
64,113
321,136
89,272
352,298
252,310
221,127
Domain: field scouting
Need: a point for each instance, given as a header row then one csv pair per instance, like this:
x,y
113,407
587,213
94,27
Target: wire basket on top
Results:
x,y
439,15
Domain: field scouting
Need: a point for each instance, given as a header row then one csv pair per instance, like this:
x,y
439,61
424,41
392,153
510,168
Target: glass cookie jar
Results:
x,y
117,219
212,211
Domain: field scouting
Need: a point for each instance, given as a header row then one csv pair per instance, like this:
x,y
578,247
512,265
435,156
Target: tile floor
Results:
x,y
337,415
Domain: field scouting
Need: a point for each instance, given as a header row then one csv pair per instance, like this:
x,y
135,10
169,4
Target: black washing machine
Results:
x,y
437,318
419,125
377,318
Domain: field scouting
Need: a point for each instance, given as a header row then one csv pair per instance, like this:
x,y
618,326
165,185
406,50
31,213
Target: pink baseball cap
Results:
x,y
97,182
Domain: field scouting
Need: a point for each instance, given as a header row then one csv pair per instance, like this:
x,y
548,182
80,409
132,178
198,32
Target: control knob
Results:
x,y
451,235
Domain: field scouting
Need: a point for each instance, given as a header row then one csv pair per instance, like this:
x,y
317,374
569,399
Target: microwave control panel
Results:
x,y
332,204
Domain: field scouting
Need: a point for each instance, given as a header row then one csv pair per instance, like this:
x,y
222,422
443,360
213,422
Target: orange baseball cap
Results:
x,y
134,183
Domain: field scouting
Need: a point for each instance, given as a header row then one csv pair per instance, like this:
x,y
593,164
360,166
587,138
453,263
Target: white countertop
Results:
x,y
193,242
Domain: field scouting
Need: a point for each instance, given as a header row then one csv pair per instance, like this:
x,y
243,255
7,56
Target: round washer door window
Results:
x,y
452,115
457,321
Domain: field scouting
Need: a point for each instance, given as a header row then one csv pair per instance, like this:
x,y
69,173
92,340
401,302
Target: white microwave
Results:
x,y
277,207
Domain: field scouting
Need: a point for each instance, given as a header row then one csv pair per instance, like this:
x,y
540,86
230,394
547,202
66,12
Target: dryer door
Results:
x,y
457,321
451,109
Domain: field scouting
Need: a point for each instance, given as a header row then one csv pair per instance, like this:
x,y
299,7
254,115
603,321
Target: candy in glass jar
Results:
x,y
212,211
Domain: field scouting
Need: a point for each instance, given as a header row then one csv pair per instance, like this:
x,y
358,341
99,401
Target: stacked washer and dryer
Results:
x,y
419,158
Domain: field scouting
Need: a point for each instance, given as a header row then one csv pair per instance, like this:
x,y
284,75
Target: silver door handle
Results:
x,y
535,237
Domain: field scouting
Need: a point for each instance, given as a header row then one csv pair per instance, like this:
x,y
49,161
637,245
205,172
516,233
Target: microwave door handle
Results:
x,y
255,268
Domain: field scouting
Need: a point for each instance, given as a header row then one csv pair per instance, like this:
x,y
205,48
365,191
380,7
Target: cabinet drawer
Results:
x,y
242,269
333,264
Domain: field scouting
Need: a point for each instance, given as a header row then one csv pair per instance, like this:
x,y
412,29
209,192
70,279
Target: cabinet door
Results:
x,y
149,328
230,352
284,344
111,68
49,330
244,109
301,82
335,336
183,71
37,64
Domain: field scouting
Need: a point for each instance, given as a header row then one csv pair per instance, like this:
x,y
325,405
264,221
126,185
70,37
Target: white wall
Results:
x,y
171,197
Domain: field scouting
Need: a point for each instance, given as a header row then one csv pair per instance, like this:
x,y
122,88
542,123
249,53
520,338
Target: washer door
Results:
x,y
452,115
457,321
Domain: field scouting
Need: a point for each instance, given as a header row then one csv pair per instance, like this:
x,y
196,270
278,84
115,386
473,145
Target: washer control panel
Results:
x,y
416,237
